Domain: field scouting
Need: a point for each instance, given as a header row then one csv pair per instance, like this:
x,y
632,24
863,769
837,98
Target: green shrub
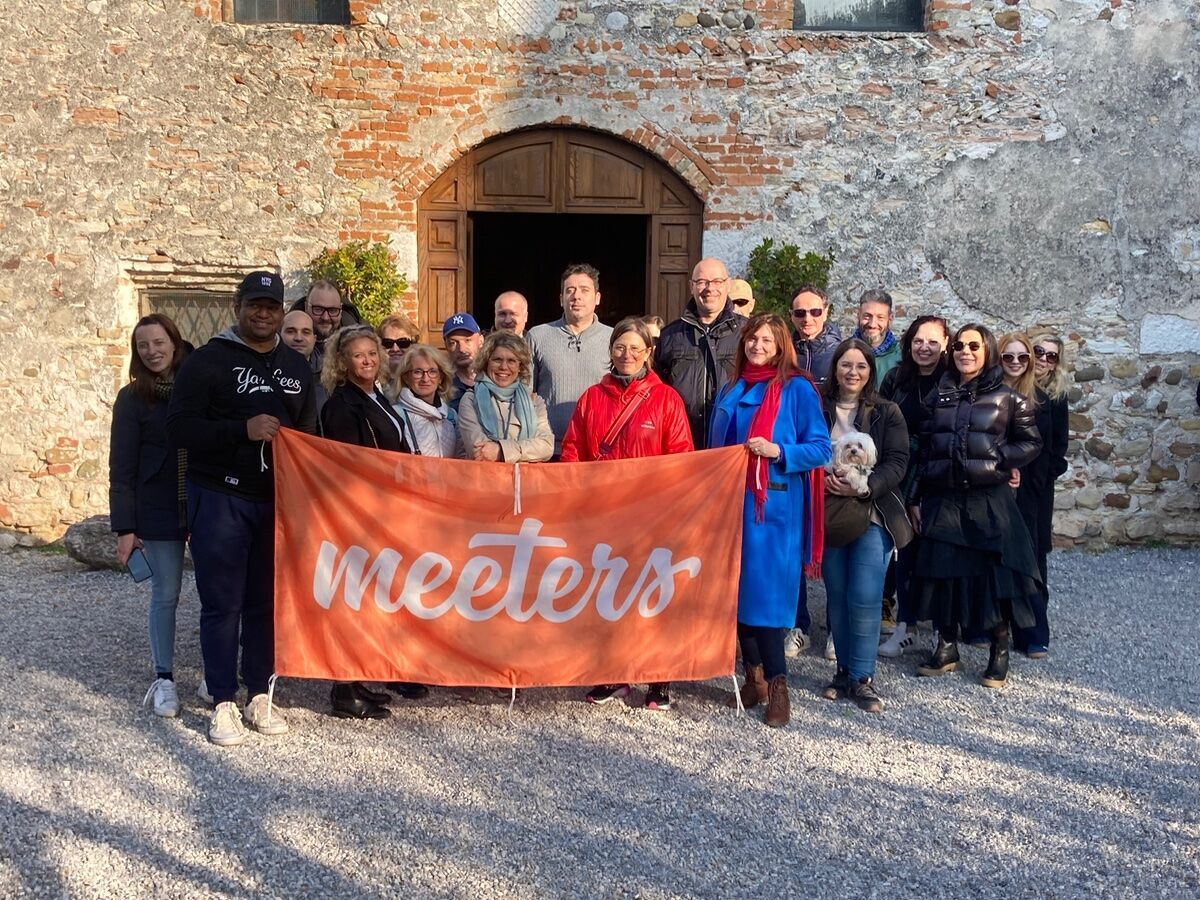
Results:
x,y
775,273
365,274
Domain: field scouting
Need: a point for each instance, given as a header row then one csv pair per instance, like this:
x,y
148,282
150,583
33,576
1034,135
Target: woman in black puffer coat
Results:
x,y
975,566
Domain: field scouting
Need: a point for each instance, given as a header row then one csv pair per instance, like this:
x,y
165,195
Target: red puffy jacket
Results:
x,y
658,426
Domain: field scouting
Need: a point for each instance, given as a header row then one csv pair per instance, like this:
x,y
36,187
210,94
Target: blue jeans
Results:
x,y
854,582
233,547
166,564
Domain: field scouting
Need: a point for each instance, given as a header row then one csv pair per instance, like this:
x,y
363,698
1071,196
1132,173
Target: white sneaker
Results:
x,y
165,699
263,718
830,651
225,729
795,643
900,641
203,694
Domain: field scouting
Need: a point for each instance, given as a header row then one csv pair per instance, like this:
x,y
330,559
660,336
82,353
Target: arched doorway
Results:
x,y
512,213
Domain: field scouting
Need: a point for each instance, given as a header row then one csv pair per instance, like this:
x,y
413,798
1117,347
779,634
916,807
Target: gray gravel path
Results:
x,y
1080,779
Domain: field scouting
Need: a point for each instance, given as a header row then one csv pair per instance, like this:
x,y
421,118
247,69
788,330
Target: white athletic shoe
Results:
x,y
900,641
203,694
164,698
795,643
830,651
225,729
262,719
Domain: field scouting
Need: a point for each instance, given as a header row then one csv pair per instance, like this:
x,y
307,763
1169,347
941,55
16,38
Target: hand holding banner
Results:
x,y
391,567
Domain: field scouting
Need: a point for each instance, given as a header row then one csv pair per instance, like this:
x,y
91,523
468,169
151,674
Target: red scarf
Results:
x,y
758,471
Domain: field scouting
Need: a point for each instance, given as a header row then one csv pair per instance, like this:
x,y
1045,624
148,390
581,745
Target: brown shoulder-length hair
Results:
x,y
509,341
143,379
831,390
785,359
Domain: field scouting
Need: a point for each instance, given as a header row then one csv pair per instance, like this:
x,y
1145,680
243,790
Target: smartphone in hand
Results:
x,y
138,565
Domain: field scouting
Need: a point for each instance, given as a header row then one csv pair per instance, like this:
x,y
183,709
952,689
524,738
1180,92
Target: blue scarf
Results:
x,y
522,403
888,342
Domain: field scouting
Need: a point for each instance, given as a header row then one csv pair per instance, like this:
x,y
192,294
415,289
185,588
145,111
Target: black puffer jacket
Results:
x,y
884,422
974,435
697,360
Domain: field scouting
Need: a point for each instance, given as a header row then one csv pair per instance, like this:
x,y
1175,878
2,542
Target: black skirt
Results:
x,y
975,566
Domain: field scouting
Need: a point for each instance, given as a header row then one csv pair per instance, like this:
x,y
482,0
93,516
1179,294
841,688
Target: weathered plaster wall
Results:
x,y
1028,162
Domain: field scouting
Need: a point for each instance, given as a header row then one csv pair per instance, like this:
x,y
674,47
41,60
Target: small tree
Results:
x,y
365,274
775,273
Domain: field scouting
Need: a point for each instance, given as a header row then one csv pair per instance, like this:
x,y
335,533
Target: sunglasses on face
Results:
x,y
741,301
1015,357
1048,355
816,313
396,343
973,346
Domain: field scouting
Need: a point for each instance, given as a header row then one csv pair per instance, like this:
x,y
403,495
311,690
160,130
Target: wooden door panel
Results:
x,y
442,263
520,178
674,249
599,179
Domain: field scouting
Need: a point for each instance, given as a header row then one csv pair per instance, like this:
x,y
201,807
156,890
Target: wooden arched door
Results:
x,y
511,182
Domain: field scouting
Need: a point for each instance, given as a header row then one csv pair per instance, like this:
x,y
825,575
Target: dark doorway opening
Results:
x,y
527,252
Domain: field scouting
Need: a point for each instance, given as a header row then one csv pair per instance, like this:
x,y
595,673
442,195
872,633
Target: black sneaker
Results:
x,y
658,698
602,693
838,686
864,694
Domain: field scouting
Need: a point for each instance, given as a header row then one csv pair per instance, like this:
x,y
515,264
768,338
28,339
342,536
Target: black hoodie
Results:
x,y
220,387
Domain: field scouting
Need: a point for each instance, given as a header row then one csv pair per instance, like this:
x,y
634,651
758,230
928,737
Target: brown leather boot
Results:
x,y
779,704
754,691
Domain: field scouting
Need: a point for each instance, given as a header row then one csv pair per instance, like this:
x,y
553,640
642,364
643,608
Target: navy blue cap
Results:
x,y
461,322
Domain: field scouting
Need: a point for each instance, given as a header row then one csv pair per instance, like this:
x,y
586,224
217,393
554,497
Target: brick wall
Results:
x,y
966,168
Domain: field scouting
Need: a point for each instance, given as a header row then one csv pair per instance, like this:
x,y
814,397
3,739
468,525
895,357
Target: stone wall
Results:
x,y
1027,162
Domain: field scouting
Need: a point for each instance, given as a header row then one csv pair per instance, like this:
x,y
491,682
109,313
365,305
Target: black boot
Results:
x,y
409,690
997,670
348,705
362,692
944,659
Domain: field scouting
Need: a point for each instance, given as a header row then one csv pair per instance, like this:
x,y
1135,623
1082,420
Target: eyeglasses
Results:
x,y
397,343
816,313
1048,355
325,312
741,301
702,283
418,374
973,346
1015,357
622,350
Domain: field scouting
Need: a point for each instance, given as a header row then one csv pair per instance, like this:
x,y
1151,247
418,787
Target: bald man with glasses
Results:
x,y
695,353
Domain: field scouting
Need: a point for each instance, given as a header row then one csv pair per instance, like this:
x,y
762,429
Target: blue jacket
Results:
x,y
774,551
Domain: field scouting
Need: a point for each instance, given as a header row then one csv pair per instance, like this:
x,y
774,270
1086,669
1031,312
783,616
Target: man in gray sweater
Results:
x,y
571,353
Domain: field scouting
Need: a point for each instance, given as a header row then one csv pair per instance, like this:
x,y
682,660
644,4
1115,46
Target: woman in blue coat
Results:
x,y
772,408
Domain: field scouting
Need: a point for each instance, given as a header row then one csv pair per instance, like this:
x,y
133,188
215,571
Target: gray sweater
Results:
x,y
564,366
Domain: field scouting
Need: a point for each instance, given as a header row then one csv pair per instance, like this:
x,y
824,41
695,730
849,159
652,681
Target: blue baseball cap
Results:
x,y
461,322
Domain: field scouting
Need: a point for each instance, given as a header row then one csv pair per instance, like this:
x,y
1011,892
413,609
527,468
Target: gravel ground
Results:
x,y
1080,778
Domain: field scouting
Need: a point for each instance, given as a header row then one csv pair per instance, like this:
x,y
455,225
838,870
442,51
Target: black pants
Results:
x,y
763,647
233,547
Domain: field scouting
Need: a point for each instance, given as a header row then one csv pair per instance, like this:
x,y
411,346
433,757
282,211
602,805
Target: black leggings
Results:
x,y
763,647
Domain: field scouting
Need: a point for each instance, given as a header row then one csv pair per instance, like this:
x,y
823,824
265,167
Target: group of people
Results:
x,y
954,517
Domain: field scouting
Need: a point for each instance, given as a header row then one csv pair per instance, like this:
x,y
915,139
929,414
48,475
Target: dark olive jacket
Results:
x,y
974,435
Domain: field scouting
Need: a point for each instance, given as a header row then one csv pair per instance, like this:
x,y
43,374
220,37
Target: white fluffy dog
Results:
x,y
853,460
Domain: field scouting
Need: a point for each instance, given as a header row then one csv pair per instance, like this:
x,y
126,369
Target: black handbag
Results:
x,y
846,519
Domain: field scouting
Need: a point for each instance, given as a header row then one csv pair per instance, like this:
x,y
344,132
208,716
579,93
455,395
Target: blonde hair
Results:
x,y
403,323
1056,385
417,351
506,340
1026,385
334,368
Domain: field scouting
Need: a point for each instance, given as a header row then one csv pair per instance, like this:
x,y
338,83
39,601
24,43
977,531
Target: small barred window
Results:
x,y
859,15
299,12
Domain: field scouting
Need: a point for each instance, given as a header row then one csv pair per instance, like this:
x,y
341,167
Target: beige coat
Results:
x,y
539,448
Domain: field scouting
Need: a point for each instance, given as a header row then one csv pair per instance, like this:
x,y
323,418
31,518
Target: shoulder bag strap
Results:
x,y
614,431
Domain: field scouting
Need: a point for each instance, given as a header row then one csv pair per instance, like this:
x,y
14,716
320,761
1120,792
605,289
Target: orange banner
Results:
x,y
391,567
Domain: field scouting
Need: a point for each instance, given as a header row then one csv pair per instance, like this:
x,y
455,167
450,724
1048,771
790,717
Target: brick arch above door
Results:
x,y
555,170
